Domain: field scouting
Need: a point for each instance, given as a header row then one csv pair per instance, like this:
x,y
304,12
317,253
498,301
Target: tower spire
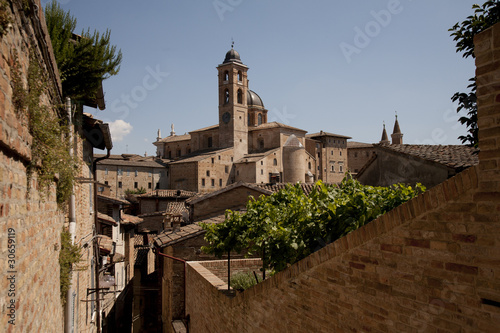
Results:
x,y
397,136
385,138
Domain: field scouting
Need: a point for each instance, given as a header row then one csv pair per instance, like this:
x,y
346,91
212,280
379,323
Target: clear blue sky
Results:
x,y
337,66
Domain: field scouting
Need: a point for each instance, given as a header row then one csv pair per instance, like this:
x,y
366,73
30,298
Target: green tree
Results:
x,y
289,225
83,60
463,34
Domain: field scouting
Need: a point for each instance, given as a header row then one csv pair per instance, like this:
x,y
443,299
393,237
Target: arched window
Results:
x,y
259,121
240,96
226,96
275,162
226,76
261,144
309,165
240,76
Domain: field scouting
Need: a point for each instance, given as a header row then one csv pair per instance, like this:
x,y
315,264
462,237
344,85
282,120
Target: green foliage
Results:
x,y
141,190
244,280
288,225
50,138
5,18
463,34
70,254
84,60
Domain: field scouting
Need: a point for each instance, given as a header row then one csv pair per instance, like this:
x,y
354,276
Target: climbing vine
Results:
x,y
68,256
51,159
289,225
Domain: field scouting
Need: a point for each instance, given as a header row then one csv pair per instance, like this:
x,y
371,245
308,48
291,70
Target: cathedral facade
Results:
x,y
244,146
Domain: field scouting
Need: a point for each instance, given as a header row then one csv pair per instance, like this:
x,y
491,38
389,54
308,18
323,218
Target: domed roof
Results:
x,y
232,56
253,99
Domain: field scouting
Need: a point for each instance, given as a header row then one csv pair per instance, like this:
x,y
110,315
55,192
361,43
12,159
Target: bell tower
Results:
x,y
233,108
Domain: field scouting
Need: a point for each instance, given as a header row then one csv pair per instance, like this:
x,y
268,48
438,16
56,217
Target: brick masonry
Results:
x,y
430,265
30,224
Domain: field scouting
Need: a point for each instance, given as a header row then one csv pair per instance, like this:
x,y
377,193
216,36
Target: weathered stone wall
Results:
x,y
30,223
430,265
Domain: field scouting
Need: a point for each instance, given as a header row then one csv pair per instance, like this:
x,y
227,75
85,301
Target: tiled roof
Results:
x,y
168,238
112,200
228,188
355,144
176,138
205,128
254,157
167,194
106,218
274,124
199,155
131,219
453,156
314,135
132,160
175,208
306,187
105,243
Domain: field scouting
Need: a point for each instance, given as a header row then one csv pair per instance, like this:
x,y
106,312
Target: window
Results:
x,y
169,154
128,172
319,154
203,182
240,96
318,167
149,185
259,119
275,162
226,96
219,157
213,182
150,174
226,76
119,184
231,158
209,142
261,171
355,154
226,169
240,76
220,182
106,171
340,152
261,144
178,152
106,182
120,171
309,165
261,162
188,151
341,168
213,160
333,168
100,189
208,173
136,185
331,153
136,173
157,185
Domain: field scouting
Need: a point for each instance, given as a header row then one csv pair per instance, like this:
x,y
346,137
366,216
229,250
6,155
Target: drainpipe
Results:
x,y
69,320
96,243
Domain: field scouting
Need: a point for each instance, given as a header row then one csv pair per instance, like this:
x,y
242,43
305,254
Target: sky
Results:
x,y
344,67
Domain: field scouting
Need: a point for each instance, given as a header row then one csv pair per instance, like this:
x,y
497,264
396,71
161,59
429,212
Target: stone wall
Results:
x,y
430,265
30,223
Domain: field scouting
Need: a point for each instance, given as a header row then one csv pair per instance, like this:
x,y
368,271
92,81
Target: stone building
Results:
x,y
244,146
132,172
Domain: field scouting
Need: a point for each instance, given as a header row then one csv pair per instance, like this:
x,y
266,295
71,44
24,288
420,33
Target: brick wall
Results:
x,y
430,265
30,225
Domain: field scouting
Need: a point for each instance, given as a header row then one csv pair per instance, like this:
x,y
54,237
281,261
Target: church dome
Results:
x,y
232,56
253,99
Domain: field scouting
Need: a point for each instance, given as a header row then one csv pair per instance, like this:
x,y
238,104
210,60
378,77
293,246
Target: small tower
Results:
x,y
233,108
385,138
397,136
172,131
158,135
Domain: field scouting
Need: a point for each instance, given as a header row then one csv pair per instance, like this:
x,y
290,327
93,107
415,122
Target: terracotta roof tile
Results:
x,y
106,218
131,219
453,156
168,194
